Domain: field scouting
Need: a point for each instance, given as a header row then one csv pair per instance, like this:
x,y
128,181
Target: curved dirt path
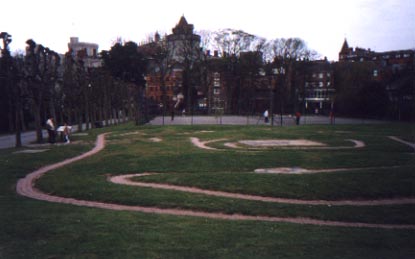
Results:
x,y
235,145
126,180
25,187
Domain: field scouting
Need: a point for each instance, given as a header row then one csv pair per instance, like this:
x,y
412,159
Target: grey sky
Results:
x,y
323,24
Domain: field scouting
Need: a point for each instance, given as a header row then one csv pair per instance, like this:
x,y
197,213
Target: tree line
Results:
x,y
43,84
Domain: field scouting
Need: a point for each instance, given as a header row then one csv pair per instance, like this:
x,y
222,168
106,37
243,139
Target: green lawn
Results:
x,y
385,169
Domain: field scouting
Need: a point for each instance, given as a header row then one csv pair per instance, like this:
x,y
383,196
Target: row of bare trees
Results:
x,y
43,84
247,58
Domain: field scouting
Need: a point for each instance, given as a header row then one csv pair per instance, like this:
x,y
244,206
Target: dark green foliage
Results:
x,y
125,63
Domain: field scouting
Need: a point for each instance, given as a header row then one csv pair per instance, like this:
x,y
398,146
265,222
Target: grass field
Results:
x,y
383,169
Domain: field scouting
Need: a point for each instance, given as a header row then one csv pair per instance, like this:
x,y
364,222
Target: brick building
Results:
x,y
319,87
394,70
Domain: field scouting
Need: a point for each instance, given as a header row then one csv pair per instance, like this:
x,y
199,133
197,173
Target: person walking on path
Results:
x,y
266,116
50,126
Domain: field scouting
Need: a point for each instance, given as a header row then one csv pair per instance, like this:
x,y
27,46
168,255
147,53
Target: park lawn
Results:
x,y
34,229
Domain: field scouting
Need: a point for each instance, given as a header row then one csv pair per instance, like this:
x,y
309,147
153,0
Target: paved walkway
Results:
x,y
25,187
29,137
287,120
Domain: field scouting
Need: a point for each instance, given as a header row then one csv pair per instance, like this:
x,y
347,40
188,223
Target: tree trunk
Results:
x,y
10,115
52,110
38,123
18,128
131,109
114,116
87,118
79,119
22,122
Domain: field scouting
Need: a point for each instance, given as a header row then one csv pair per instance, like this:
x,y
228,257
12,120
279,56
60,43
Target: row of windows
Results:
x,y
317,84
404,55
319,94
320,75
374,58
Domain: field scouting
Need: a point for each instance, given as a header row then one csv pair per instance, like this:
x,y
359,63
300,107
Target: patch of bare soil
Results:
x,y
279,143
30,151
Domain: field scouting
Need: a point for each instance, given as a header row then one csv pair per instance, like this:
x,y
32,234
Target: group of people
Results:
x,y
52,131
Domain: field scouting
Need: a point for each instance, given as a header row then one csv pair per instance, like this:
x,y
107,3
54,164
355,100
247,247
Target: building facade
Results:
x,y
87,52
183,45
319,90
394,71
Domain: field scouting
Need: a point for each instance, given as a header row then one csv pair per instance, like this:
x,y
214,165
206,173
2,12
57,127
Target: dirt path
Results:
x,y
25,187
280,143
126,180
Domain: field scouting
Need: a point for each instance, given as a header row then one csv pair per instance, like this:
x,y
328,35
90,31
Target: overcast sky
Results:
x,y
323,24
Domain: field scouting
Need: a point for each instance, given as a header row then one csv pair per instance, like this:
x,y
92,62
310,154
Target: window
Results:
x,y
216,91
320,75
375,73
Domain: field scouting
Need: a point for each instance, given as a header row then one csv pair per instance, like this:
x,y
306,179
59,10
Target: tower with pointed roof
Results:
x,y
183,43
345,51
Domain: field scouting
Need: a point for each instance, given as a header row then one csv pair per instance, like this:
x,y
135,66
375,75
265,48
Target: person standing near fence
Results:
x,y
50,126
297,118
66,132
266,116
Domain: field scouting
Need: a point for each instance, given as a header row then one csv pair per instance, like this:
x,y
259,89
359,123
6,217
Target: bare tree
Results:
x,y
284,55
159,66
6,63
232,43
10,78
34,68
289,49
